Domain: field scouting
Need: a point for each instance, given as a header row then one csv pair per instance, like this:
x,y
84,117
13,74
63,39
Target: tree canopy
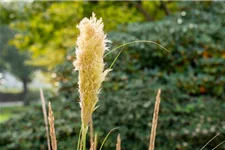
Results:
x,y
11,59
48,29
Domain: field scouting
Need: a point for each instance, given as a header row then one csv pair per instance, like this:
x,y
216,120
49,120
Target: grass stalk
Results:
x,y
106,138
210,141
45,117
118,143
154,121
95,142
52,127
84,136
218,145
79,140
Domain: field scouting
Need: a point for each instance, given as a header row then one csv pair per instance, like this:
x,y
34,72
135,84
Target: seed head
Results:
x,y
91,45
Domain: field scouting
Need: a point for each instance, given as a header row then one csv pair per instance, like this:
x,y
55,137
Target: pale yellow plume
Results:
x,y
91,45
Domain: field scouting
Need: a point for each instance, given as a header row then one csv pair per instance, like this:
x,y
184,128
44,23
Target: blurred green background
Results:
x,y
37,48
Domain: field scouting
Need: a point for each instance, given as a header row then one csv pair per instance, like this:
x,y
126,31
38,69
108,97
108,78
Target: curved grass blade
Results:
x,y
209,141
218,145
138,41
116,58
107,137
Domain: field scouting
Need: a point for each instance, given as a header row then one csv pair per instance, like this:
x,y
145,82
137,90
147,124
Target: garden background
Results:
x,y
37,48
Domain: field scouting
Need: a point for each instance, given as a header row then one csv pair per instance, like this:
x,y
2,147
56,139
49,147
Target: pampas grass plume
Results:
x,y
91,45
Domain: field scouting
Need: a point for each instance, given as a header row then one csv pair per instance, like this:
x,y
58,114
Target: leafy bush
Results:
x,y
196,41
183,123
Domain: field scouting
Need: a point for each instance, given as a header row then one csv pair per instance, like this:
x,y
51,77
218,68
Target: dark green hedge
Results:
x,y
195,37
185,122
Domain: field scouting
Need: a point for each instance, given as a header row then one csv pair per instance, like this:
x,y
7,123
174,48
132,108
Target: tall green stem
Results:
x,y
84,134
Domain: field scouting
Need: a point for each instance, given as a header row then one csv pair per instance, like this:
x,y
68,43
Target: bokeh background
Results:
x,y
37,48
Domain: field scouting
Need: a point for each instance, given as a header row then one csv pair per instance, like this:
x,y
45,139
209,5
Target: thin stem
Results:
x,y
84,134
154,121
116,58
218,145
78,143
106,138
138,41
45,117
209,141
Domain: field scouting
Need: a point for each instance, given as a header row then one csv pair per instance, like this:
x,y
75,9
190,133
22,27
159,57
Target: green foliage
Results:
x,y
11,59
186,124
31,128
7,112
194,37
9,13
48,29
192,106
48,35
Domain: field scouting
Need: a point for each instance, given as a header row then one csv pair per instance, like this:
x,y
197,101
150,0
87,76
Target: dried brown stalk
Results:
x,y
52,128
94,144
118,144
155,121
45,117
